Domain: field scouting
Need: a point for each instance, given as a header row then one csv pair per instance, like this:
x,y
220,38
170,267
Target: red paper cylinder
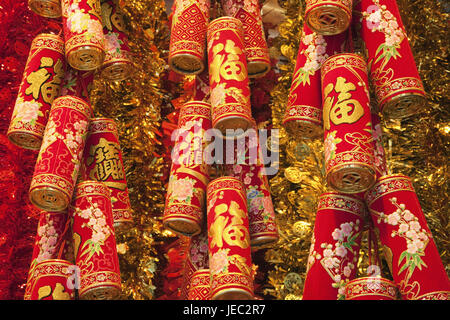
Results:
x,y
228,78
394,74
184,209
303,115
334,251
371,288
230,260
348,141
94,241
200,288
46,8
256,51
83,33
117,65
412,256
196,259
328,17
188,36
251,172
49,281
102,161
41,84
58,162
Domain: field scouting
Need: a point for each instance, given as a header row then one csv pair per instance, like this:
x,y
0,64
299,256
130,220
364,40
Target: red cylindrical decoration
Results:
x,y
51,280
41,84
200,288
46,8
117,65
102,161
256,50
251,172
348,141
94,241
303,115
334,252
411,253
189,176
228,78
394,74
328,17
371,288
77,83
83,33
230,260
57,166
188,36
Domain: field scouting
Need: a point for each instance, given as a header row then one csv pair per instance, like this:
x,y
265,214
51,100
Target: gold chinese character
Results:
x,y
37,78
345,110
107,161
51,90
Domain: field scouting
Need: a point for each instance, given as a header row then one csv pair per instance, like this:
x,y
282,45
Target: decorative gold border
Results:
x,y
220,283
403,183
351,205
384,284
74,103
99,188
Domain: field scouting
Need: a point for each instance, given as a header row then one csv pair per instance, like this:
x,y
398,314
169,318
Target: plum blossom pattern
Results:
x,y
330,145
334,257
96,221
48,240
27,111
378,18
113,44
410,229
79,21
218,261
181,190
315,53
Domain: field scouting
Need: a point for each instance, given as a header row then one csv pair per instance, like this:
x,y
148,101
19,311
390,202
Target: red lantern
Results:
x,y
228,78
412,256
46,8
57,166
230,260
328,17
334,251
51,279
41,84
188,35
117,65
371,288
83,33
102,161
256,51
348,141
303,115
184,209
94,241
397,83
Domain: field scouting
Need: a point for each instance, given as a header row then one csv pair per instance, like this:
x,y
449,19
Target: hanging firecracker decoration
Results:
x,y
328,17
230,260
371,288
249,168
83,34
196,259
58,163
256,50
348,141
51,279
117,65
46,8
393,72
189,176
41,84
334,251
200,288
410,251
102,161
303,115
188,36
94,242
228,78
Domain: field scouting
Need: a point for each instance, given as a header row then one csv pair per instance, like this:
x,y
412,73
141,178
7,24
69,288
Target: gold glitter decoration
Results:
x,y
417,147
136,105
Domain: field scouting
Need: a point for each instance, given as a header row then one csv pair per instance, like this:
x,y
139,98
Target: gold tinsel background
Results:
x,y
417,147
